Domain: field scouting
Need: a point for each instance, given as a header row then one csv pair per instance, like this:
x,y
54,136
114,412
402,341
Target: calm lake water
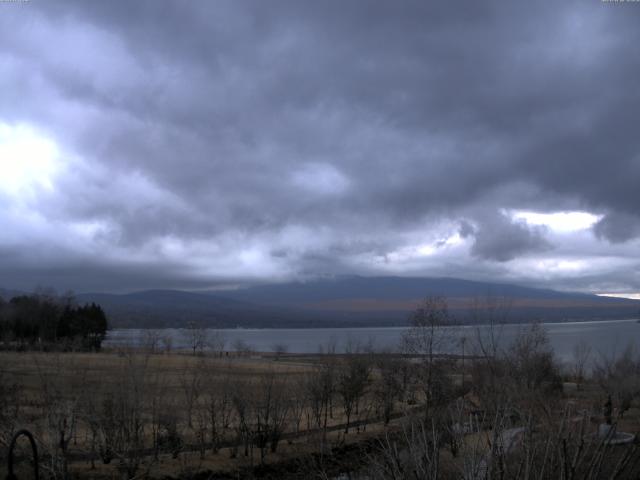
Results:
x,y
604,337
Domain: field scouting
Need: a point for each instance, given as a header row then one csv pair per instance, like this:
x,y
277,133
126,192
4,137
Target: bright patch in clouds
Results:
x,y
416,252
451,241
426,250
562,266
320,178
88,229
28,161
633,296
562,222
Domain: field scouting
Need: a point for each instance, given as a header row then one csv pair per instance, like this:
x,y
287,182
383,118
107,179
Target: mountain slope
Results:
x,y
388,288
175,308
395,297
351,301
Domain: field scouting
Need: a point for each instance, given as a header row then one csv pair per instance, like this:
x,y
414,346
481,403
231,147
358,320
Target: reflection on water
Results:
x,y
604,337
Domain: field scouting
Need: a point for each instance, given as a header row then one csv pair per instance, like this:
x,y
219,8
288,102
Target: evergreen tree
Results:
x,y
42,319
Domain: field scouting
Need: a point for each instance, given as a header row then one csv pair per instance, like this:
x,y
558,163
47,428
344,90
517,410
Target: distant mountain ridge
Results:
x,y
389,288
354,301
350,301
176,308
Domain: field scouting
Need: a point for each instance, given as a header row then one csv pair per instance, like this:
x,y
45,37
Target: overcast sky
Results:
x,y
193,144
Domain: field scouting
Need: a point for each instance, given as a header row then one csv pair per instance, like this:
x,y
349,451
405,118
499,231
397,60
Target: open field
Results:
x,y
66,395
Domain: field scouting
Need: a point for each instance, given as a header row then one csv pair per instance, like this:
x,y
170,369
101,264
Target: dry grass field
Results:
x,y
127,415
63,395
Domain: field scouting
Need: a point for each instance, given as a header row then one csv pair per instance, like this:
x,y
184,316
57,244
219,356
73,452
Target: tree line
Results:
x,y
46,321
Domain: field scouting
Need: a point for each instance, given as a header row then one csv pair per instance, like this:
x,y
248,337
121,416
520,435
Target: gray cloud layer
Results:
x,y
200,143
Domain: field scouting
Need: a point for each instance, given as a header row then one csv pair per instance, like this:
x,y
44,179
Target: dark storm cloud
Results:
x,y
244,140
501,239
618,227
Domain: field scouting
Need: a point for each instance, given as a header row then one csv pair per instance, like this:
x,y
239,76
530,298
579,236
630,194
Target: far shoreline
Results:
x,y
389,327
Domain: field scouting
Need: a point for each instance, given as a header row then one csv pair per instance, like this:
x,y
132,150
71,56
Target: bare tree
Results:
x,y
320,385
490,314
619,377
170,438
201,423
167,343
158,405
60,411
298,403
197,338
217,342
241,400
219,396
279,349
352,380
581,357
269,413
413,454
122,418
519,374
388,388
242,347
192,380
430,334
151,341
532,365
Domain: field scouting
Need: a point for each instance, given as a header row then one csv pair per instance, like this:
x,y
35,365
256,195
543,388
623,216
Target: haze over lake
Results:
x,y
604,337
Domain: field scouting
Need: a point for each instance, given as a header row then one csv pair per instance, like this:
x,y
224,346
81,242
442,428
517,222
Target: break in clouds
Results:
x,y
197,144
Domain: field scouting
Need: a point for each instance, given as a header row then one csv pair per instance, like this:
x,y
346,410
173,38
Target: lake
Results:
x,y
605,337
